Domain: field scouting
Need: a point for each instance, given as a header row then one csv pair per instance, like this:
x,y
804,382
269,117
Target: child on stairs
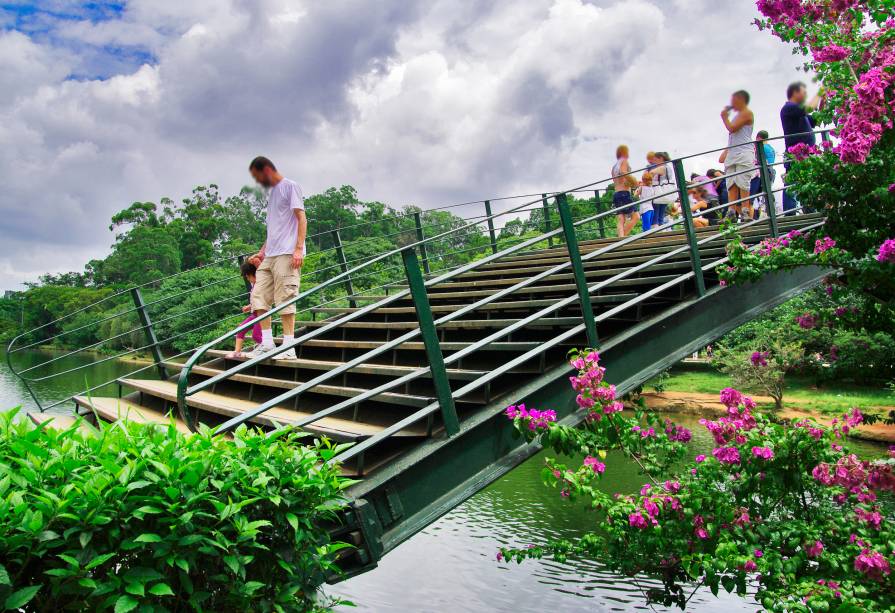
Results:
x,y
248,273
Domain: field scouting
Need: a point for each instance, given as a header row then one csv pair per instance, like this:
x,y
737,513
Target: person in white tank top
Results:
x,y
739,157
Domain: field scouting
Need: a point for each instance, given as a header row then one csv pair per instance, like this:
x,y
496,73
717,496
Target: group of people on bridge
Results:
x,y
274,273
654,199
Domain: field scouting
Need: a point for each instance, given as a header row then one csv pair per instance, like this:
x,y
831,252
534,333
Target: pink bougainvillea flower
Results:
x,y
886,253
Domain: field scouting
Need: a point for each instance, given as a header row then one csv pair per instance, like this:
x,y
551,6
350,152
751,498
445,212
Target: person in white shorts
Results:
x,y
280,259
739,157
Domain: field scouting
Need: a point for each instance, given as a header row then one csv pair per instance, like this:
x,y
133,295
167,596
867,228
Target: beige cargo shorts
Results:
x,y
276,282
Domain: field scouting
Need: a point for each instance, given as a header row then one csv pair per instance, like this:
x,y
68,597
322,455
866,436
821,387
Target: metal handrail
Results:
x,y
236,421
360,448
184,390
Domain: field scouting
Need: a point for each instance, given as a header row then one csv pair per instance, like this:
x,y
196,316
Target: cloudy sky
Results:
x,y
412,102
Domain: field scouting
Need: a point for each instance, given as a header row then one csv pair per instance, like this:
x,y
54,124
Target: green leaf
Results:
x,y
20,598
293,521
4,576
148,537
136,589
161,589
126,603
99,560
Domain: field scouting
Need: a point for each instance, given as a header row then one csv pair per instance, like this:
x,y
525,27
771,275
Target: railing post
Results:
x,y
598,204
343,266
547,227
420,237
491,226
150,333
695,260
430,341
587,309
767,185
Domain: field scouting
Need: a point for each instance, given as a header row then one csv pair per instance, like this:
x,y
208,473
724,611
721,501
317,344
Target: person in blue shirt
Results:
x,y
771,156
798,127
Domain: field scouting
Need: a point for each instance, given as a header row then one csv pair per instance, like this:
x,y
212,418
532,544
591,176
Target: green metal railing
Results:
x,y
420,302
141,309
346,276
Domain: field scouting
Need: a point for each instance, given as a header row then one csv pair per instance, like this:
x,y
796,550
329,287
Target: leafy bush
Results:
x,y
779,511
763,369
144,518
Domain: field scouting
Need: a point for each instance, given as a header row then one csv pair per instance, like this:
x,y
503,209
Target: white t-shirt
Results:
x,y
646,193
282,226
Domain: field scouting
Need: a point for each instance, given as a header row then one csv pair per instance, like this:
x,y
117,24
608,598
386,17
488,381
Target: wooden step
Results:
x,y
114,409
562,287
530,305
60,422
330,390
332,427
366,369
416,346
457,324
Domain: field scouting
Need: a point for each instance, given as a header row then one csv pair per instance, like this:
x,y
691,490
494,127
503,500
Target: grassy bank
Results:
x,y
800,392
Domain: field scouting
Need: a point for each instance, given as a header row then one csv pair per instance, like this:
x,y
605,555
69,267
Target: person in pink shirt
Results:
x,y
248,273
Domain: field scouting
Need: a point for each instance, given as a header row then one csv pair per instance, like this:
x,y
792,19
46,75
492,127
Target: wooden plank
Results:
x,y
457,324
59,422
529,305
415,346
333,427
368,369
331,390
113,409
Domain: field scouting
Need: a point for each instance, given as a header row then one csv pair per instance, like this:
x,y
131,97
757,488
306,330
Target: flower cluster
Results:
x,y
594,464
731,428
677,433
533,418
806,321
873,564
823,244
830,53
759,358
886,253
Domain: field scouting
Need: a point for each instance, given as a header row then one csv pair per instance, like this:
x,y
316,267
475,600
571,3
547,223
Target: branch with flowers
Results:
x,y
849,45
778,511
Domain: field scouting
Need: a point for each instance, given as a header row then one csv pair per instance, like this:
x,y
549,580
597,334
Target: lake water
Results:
x,y
451,565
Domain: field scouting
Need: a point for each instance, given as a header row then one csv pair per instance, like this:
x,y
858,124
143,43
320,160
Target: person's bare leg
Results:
x,y
620,225
629,227
264,323
733,194
288,324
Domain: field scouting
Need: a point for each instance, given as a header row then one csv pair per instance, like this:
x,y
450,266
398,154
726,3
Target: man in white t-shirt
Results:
x,y
282,255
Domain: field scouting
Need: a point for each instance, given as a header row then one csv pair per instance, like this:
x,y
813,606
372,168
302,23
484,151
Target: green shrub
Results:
x,y
144,518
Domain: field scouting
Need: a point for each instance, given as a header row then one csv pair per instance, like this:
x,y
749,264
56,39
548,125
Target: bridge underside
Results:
x,y
426,482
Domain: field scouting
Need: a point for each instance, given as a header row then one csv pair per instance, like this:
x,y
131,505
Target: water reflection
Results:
x,y
451,566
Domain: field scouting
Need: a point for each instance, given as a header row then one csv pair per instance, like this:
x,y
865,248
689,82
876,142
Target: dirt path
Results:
x,y
709,405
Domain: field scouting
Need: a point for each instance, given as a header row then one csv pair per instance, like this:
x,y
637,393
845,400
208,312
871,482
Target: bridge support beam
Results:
x,y
149,331
343,267
695,260
491,226
587,309
764,175
430,341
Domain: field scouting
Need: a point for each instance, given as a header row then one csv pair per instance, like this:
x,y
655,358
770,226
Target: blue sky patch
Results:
x,y
41,21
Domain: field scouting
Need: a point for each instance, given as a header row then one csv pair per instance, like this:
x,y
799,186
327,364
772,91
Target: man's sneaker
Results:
x,y
287,355
260,350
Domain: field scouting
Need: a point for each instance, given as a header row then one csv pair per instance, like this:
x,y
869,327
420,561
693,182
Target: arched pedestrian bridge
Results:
x,y
416,373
